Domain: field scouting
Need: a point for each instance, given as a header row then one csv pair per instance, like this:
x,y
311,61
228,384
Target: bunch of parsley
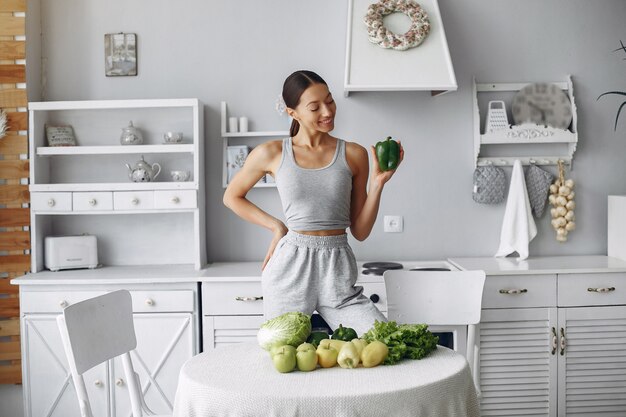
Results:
x,y
412,341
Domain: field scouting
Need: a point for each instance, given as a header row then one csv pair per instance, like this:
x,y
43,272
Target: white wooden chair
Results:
x,y
94,331
444,298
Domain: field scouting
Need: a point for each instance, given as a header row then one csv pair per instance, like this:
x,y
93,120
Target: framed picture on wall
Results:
x,y
120,54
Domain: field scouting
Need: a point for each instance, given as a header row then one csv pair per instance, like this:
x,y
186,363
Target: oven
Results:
x,y
453,337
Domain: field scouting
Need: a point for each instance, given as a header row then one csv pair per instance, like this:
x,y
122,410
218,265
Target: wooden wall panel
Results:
x,y
14,217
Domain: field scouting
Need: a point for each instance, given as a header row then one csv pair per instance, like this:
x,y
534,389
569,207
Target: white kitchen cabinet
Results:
x,y
556,347
233,308
86,188
166,324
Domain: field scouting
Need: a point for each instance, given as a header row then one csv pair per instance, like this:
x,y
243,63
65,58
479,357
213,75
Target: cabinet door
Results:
x,y
226,330
164,342
518,362
48,385
592,369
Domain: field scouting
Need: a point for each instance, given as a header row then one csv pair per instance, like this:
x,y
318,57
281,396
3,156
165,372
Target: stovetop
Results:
x,y
377,268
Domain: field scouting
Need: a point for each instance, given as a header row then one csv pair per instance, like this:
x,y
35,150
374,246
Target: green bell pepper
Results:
x,y
388,154
315,338
344,333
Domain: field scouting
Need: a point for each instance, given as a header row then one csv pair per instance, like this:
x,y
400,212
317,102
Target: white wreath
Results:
x,y
378,33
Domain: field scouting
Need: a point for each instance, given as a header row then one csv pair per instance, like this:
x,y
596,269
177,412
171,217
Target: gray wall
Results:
x,y
241,52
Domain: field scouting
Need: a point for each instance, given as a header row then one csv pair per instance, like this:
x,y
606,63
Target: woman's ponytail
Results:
x,y
295,127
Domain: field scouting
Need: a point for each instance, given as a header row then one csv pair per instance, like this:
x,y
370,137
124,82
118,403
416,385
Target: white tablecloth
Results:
x,y
240,380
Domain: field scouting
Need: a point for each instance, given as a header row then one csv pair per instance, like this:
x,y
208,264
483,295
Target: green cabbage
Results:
x,y
286,329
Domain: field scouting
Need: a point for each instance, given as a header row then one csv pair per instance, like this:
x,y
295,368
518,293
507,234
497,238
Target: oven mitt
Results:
x,y
489,185
538,185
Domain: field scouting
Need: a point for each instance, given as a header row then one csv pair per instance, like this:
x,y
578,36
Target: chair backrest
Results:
x,y
444,298
434,297
94,331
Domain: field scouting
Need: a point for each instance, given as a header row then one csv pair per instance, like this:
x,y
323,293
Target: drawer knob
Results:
x,y
63,304
514,291
248,298
150,301
92,202
51,202
119,382
97,383
175,200
605,289
134,201
375,298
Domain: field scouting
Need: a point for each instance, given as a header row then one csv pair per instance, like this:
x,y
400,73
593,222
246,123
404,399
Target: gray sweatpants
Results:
x,y
308,273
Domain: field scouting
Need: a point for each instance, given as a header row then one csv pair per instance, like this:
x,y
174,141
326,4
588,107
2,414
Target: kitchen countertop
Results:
x,y
251,271
542,265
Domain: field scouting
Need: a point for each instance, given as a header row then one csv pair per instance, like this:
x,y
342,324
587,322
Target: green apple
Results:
x,y
284,358
306,357
326,355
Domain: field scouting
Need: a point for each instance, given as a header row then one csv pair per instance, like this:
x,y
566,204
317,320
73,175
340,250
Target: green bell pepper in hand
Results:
x,y
388,154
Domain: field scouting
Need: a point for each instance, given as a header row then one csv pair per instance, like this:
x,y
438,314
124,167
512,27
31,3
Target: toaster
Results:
x,y
70,252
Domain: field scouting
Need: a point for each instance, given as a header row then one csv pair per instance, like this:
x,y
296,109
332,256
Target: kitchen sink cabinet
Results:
x,y
557,349
166,326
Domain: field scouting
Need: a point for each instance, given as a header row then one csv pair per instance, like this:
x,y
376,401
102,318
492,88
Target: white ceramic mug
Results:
x,y
179,176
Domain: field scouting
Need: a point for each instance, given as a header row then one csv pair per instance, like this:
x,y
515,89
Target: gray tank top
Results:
x,y
318,198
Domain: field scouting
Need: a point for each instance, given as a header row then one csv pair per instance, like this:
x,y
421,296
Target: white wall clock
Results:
x,y
543,104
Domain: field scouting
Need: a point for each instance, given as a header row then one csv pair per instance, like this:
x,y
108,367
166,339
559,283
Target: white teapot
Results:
x,y
143,171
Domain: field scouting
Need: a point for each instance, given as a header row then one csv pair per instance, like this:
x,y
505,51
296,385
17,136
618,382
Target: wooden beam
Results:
x,y
13,97
14,145
11,50
9,351
11,374
9,328
12,74
14,194
17,240
14,263
12,5
10,307
14,217
7,288
14,169
17,121
12,25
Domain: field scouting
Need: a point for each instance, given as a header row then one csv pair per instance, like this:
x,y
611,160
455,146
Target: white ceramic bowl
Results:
x,y
179,176
173,137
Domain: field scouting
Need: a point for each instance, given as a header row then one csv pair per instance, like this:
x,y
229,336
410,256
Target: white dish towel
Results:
x,y
518,226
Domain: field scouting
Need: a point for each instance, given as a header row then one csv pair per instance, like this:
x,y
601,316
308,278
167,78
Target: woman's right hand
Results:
x,y
278,234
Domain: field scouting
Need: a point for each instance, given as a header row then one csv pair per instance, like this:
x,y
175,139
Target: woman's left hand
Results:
x,y
381,177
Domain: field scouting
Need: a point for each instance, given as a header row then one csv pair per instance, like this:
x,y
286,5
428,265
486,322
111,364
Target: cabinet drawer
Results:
x,y
133,200
162,301
88,201
592,289
53,301
232,298
511,291
175,199
51,201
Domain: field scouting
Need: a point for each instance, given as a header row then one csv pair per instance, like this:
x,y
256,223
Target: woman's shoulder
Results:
x,y
355,150
268,150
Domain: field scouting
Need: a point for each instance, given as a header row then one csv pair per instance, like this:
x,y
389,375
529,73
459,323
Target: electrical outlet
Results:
x,y
393,224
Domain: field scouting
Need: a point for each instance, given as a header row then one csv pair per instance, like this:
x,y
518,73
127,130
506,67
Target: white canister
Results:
x,y
232,124
243,124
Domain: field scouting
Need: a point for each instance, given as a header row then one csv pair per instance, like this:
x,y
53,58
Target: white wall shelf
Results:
x,y
86,188
526,133
115,149
226,136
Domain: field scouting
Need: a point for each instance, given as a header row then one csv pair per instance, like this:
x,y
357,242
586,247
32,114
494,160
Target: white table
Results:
x,y
240,380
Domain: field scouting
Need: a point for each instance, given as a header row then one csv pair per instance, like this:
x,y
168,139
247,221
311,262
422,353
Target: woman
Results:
x,y
322,182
